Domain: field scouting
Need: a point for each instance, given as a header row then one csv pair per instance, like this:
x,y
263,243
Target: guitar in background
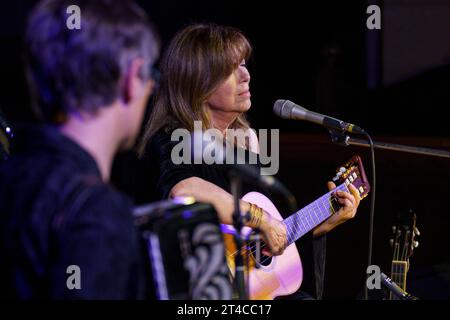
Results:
x,y
403,244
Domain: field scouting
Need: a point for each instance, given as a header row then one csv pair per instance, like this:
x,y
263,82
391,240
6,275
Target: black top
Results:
x,y
167,174
55,212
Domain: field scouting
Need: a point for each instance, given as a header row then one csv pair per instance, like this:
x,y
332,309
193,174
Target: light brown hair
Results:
x,y
198,59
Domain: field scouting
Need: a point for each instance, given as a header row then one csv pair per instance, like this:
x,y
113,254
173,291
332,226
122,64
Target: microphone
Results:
x,y
392,286
235,164
288,110
252,175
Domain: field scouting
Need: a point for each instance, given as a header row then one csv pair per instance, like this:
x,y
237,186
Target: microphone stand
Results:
x,y
395,289
239,279
341,138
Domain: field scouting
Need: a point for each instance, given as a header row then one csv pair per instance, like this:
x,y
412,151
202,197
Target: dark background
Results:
x,y
393,82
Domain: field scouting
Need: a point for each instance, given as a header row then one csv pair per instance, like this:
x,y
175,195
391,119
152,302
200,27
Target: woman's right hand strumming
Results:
x,y
273,230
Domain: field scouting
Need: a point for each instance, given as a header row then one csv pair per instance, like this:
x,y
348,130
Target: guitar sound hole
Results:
x,y
263,260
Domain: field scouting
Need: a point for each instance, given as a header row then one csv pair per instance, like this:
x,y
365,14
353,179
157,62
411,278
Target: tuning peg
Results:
x,y
394,228
415,244
391,242
338,174
342,170
416,231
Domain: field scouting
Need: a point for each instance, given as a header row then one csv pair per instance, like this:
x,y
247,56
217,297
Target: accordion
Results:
x,y
186,250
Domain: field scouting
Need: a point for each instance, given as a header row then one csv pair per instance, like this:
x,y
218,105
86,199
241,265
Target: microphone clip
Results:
x,y
339,137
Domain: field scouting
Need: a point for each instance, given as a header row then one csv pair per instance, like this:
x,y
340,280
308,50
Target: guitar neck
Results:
x,y
312,215
398,273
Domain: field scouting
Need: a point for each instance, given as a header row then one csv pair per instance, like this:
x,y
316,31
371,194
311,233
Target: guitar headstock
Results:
x,y
353,172
405,232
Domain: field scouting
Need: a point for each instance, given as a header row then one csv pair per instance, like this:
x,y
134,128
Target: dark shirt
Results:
x,y
166,174
55,212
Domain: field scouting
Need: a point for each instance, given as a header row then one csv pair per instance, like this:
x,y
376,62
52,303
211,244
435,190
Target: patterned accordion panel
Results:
x,y
186,251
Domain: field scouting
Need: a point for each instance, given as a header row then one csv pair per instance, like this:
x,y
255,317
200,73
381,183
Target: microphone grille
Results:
x,y
283,108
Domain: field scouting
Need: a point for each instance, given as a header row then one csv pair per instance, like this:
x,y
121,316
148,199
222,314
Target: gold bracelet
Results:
x,y
255,215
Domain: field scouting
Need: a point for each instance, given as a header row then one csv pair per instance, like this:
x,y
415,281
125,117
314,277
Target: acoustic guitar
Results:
x,y
269,277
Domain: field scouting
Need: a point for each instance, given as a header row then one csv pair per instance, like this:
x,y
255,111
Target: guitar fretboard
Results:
x,y
312,215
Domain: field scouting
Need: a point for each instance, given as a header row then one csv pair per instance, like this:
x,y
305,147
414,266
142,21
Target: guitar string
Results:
x,y
398,267
252,249
290,229
396,257
394,265
404,258
397,272
268,257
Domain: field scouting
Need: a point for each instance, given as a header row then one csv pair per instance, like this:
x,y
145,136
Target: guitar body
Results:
x,y
283,275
